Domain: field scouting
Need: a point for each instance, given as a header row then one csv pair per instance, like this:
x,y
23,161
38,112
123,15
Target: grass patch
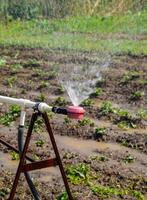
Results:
x,y
73,33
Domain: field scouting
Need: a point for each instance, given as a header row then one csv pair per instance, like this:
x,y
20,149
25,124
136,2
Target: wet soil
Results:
x,y
32,74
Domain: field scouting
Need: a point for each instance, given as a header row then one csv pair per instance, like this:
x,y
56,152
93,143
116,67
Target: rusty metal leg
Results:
x,y
22,157
48,127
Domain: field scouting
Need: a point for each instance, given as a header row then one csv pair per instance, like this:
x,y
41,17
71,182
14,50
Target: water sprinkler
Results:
x,y
75,112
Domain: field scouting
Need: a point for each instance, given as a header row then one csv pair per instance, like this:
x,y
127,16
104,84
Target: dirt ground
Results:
x,y
118,158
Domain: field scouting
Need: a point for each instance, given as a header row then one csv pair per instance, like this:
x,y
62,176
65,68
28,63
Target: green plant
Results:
x,y
142,114
99,132
14,112
136,95
87,102
97,92
107,108
131,75
4,192
43,84
128,159
39,143
67,120
60,101
38,125
17,67
126,124
86,121
63,196
60,90
78,174
14,155
107,192
11,81
41,97
99,158
2,62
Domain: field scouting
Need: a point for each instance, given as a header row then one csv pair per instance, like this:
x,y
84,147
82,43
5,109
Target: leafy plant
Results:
x,y
87,102
136,95
132,75
14,155
126,124
2,62
39,143
63,196
4,192
60,101
86,121
14,112
107,108
142,114
97,92
128,159
107,192
78,174
11,81
99,132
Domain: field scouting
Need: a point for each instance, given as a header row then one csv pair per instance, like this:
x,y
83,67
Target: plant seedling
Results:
x,y
128,159
60,101
63,196
99,132
11,81
87,102
2,62
136,95
39,143
14,155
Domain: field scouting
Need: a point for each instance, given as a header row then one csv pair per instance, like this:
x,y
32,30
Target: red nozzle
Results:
x,y
75,112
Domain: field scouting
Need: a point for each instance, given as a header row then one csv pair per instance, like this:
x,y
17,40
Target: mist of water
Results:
x,y
80,80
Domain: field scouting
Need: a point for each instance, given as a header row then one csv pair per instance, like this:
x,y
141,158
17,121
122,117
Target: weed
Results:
x,y
87,102
43,84
41,97
125,143
60,101
99,158
14,112
126,124
4,192
99,132
107,192
14,155
128,159
135,96
11,81
35,157
63,196
78,174
142,114
86,121
97,92
60,90
67,120
33,63
39,72
39,143
51,75
2,62
38,125
132,75
17,67
107,108
142,82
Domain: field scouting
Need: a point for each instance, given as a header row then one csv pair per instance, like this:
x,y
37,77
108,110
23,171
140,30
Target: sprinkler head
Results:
x,y
75,112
